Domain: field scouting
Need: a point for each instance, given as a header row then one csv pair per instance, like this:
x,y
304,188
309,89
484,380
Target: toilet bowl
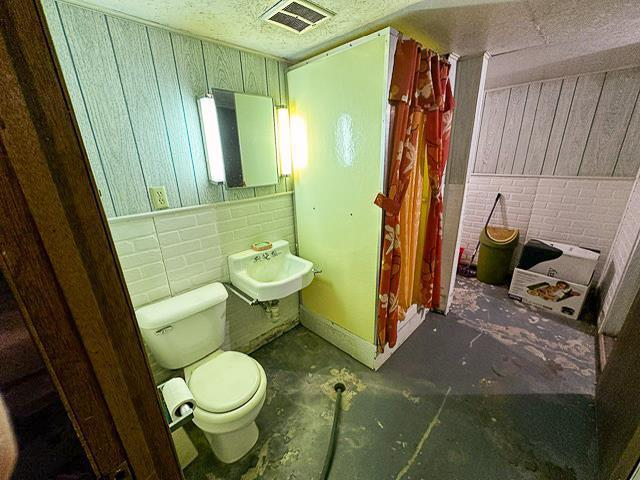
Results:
x,y
229,388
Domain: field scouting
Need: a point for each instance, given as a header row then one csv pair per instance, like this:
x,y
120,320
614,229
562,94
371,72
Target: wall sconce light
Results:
x,y
284,141
211,138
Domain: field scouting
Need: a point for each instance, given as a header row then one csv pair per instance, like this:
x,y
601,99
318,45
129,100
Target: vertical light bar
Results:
x,y
284,141
211,137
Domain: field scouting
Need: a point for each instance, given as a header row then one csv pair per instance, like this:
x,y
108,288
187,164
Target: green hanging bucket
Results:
x,y
496,251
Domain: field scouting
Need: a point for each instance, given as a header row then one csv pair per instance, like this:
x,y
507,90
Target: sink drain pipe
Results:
x,y
328,460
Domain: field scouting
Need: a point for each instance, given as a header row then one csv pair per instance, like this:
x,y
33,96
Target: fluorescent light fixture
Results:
x,y
211,137
284,141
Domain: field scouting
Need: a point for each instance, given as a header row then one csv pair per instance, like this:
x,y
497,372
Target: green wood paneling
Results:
x,y
254,73
542,124
95,65
223,67
559,123
627,165
77,100
284,92
273,81
576,133
134,91
584,125
137,74
273,90
239,193
193,84
265,190
167,76
611,123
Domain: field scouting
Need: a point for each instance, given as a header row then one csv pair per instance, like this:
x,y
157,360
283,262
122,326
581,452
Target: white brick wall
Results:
x,y
141,260
195,244
513,211
580,212
614,301
167,252
584,212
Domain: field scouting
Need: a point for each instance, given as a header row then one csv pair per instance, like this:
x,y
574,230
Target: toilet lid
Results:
x,y
225,383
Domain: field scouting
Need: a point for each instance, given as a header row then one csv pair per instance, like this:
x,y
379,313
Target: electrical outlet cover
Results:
x,y
159,199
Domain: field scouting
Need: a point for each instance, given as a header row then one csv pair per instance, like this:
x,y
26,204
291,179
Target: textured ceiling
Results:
x,y
535,39
238,21
528,39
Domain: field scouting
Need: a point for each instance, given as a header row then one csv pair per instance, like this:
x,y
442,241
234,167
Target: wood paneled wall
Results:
x,y
134,90
577,126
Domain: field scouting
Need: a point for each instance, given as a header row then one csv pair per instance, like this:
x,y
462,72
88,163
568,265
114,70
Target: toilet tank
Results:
x,y
183,329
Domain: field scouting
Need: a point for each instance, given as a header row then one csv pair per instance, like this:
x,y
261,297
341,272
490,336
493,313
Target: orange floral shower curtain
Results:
x,y
414,98
438,137
410,218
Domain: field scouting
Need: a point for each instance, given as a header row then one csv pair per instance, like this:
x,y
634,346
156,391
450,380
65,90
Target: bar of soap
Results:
x,y
260,246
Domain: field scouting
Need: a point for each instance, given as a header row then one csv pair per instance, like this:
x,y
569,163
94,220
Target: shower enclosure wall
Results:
x,y
340,121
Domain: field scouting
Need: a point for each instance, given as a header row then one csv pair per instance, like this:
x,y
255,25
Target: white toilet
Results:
x,y
187,331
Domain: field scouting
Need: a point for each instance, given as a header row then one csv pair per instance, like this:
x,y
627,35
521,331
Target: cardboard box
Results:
x,y
559,260
552,294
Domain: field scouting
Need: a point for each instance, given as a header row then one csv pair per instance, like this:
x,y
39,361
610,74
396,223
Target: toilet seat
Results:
x,y
217,423
225,383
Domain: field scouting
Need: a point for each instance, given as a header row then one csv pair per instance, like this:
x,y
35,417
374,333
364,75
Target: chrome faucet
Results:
x,y
257,258
266,255
275,253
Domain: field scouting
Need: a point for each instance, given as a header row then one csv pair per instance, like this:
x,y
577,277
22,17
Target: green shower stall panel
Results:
x,y
338,106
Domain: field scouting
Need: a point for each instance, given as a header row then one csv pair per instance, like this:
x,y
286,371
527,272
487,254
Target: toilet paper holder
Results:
x,y
173,424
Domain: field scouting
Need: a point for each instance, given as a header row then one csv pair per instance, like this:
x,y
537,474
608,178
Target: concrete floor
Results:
x,y
494,390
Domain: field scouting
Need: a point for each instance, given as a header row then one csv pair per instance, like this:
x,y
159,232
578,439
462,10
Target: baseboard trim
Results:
x,y
412,320
358,348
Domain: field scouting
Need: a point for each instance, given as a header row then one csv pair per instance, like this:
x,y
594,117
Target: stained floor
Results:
x,y
494,390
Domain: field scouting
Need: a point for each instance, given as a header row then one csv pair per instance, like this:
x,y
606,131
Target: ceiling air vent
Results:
x,y
296,15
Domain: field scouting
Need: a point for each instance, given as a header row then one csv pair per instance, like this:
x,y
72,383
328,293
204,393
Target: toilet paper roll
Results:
x,y
178,397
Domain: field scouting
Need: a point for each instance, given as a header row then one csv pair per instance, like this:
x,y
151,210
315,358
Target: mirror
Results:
x,y
240,138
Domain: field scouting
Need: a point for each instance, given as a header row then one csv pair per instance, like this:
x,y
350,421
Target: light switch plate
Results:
x,y
159,199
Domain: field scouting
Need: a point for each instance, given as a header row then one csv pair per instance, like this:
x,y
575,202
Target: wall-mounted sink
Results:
x,y
271,274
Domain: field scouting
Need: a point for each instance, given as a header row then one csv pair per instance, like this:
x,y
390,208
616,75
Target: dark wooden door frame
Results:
x,y
58,256
618,402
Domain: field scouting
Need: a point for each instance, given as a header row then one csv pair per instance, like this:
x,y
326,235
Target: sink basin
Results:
x,y
271,274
